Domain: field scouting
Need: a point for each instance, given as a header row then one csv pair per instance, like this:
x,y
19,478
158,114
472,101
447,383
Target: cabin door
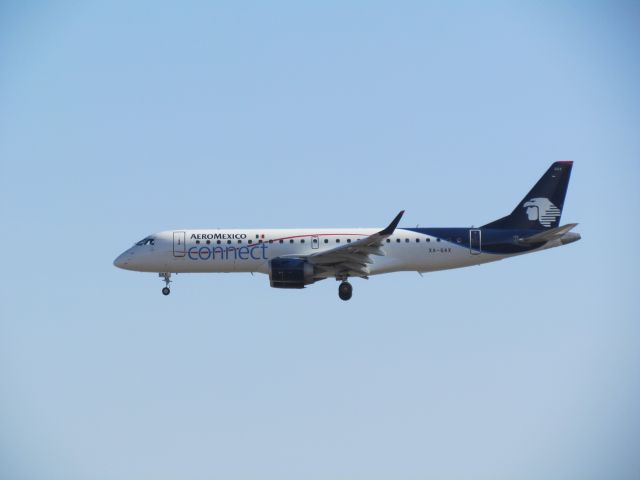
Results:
x,y
475,241
179,249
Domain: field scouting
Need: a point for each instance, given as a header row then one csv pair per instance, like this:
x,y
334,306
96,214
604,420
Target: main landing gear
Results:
x,y
345,290
167,280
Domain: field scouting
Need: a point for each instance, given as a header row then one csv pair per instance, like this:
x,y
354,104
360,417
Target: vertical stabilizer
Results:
x,y
541,208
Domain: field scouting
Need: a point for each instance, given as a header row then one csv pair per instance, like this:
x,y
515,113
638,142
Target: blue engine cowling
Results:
x,y
290,273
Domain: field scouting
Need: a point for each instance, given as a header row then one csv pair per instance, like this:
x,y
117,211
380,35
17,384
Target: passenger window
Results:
x,y
228,242
280,241
388,240
337,240
208,242
397,240
326,240
270,241
417,240
197,242
437,239
260,241
291,241
239,241
348,240
250,242
218,242
302,240
406,240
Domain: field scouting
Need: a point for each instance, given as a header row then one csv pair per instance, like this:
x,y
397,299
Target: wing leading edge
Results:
x,y
351,259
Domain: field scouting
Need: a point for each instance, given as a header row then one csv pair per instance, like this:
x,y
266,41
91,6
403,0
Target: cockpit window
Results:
x,y
146,241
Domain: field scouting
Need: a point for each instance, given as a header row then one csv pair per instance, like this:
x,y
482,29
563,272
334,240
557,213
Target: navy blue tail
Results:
x,y
542,207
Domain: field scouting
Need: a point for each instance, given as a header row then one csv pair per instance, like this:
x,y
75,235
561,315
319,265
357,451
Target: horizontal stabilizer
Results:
x,y
553,234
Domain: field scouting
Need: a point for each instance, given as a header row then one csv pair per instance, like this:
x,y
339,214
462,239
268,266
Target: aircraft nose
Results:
x,y
121,261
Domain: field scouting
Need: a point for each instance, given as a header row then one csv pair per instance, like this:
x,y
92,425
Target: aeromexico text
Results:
x,y
258,251
218,236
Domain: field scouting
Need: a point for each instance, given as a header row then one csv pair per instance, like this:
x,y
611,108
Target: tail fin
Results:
x,y
541,208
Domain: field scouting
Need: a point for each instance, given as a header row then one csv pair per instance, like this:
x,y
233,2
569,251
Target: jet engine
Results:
x,y
290,273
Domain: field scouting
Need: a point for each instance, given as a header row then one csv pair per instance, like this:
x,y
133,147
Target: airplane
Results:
x,y
295,258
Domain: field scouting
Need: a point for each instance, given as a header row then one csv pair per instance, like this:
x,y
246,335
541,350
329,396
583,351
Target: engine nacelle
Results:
x,y
290,273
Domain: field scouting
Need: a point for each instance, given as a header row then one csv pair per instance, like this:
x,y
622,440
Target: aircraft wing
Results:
x,y
351,259
546,236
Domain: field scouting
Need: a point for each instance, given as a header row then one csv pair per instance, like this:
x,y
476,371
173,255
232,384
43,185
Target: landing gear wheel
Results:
x,y
345,290
167,280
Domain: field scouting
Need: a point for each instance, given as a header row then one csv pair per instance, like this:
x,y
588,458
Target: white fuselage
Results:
x,y
249,250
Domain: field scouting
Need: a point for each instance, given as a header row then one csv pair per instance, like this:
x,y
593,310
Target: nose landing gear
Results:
x,y
345,290
167,280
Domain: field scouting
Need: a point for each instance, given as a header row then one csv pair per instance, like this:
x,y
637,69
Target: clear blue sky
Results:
x,y
119,119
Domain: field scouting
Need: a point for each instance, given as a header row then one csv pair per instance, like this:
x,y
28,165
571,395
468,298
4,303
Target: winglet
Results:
x,y
392,226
